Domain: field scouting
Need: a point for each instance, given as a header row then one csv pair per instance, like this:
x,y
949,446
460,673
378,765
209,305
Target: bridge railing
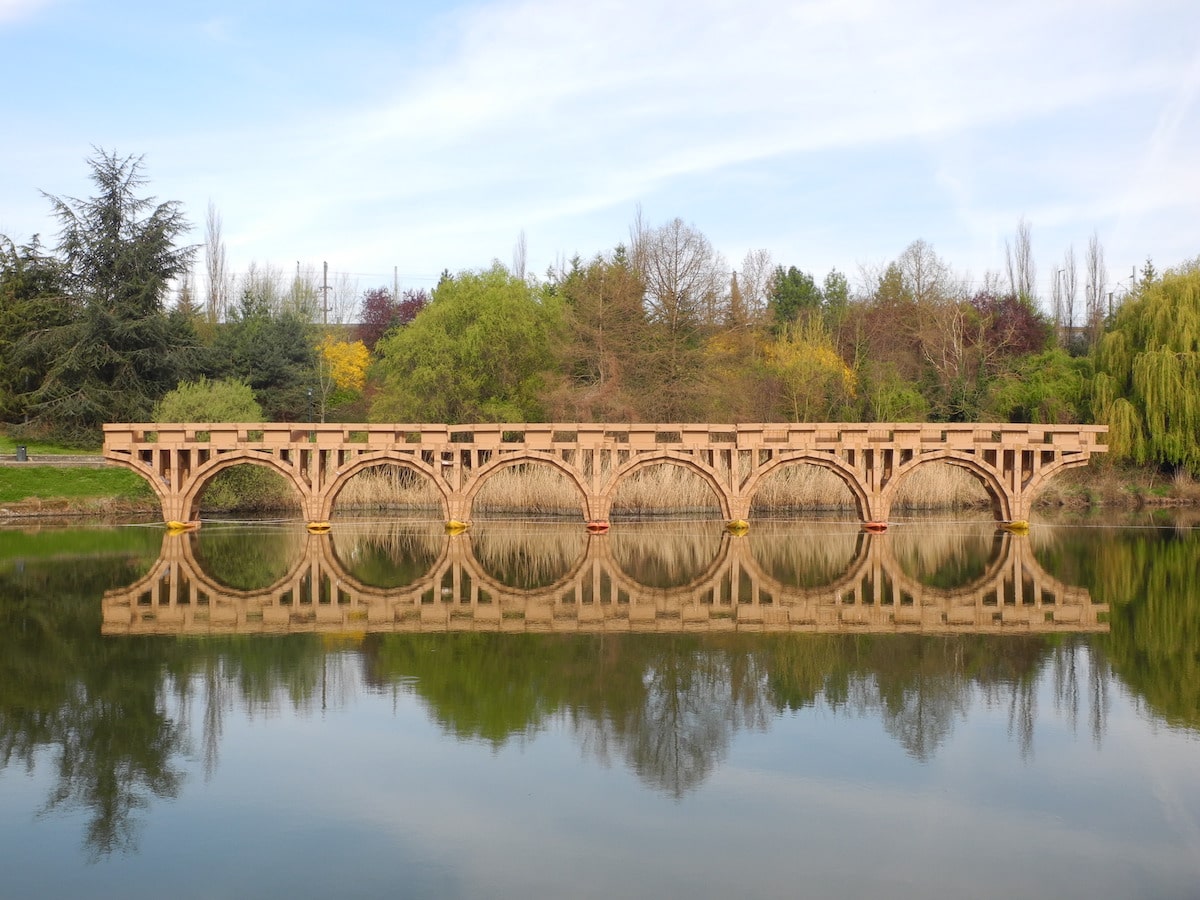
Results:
x,y
639,436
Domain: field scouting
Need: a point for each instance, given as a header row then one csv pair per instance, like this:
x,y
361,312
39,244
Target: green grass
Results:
x,y
19,483
9,444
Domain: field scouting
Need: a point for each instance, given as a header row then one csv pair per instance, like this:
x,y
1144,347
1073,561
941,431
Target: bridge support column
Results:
x,y
458,510
175,510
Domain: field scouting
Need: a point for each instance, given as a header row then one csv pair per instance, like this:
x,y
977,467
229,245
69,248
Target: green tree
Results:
x,y
226,400
794,295
274,353
1147,385
32,299
120,255
481,351
602,359
1046,388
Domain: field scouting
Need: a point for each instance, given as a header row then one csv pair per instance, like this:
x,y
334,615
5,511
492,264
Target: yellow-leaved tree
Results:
x,y
811,378
341,370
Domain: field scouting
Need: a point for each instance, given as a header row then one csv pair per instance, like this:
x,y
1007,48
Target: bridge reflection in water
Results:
x,y
873,592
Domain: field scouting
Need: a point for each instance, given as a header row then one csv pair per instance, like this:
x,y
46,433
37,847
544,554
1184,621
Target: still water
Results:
x,y
664,711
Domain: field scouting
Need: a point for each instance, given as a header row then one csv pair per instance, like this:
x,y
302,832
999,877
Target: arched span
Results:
x,y
666,457
826,461
1043,475
520,457
1001,499
380,458
156,485
204,474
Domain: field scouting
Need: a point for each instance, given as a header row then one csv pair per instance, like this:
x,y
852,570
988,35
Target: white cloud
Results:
x,y
16,10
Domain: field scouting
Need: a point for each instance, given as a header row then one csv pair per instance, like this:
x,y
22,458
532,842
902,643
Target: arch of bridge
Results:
x,y
1045,472
204,473
829,461
988,476
665,457
381,458
523,457
161,492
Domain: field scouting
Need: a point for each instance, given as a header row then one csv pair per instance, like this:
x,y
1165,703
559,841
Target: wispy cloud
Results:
x,y
869,123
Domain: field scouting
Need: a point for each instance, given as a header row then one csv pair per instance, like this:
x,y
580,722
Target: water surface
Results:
x,y
526,710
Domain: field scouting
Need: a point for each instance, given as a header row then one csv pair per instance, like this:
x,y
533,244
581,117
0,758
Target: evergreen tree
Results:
x,y
120,255
32,299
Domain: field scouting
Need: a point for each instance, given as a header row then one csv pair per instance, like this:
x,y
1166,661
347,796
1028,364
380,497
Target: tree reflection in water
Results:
x,y
112,711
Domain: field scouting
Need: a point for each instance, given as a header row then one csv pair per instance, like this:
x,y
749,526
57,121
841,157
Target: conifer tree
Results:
x,y
120,254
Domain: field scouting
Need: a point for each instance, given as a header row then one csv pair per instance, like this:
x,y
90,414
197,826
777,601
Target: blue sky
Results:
x,y
423,137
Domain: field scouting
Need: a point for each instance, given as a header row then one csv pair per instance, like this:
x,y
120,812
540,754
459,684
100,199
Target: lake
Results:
x,y
526,710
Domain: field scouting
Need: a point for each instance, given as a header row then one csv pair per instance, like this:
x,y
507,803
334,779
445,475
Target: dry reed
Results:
x,y
539,490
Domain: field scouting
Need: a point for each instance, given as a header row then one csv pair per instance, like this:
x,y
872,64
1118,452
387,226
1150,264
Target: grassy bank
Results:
x,y
33,489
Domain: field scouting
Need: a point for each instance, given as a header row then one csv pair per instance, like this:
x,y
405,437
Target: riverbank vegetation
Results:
x,y
119,321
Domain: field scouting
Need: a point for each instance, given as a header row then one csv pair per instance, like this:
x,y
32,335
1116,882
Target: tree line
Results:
x,y
106,326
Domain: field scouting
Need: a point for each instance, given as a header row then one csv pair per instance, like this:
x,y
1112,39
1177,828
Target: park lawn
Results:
x,y
24,482
9,444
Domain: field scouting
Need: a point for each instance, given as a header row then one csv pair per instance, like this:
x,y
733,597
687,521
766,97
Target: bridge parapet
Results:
x,y
1011,460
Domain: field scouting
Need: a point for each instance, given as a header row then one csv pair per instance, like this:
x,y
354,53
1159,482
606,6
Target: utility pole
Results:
x,y
395,285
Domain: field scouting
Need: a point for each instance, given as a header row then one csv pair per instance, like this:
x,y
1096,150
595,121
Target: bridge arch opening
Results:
x,y
528,486
948,480
948,558
941,485
803,486
385,485
243,486
666,486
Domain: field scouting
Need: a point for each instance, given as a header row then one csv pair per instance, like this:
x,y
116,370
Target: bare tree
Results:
x,y
686,296
263,287
217,299
519,256
1018,258
754,282
1097,282
342,298
1070,293
684,276
926,275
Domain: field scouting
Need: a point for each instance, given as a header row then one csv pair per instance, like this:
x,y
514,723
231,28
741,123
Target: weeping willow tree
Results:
x,y
1147,384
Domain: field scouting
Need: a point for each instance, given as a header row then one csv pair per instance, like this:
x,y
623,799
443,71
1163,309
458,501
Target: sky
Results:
x,y
406,138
